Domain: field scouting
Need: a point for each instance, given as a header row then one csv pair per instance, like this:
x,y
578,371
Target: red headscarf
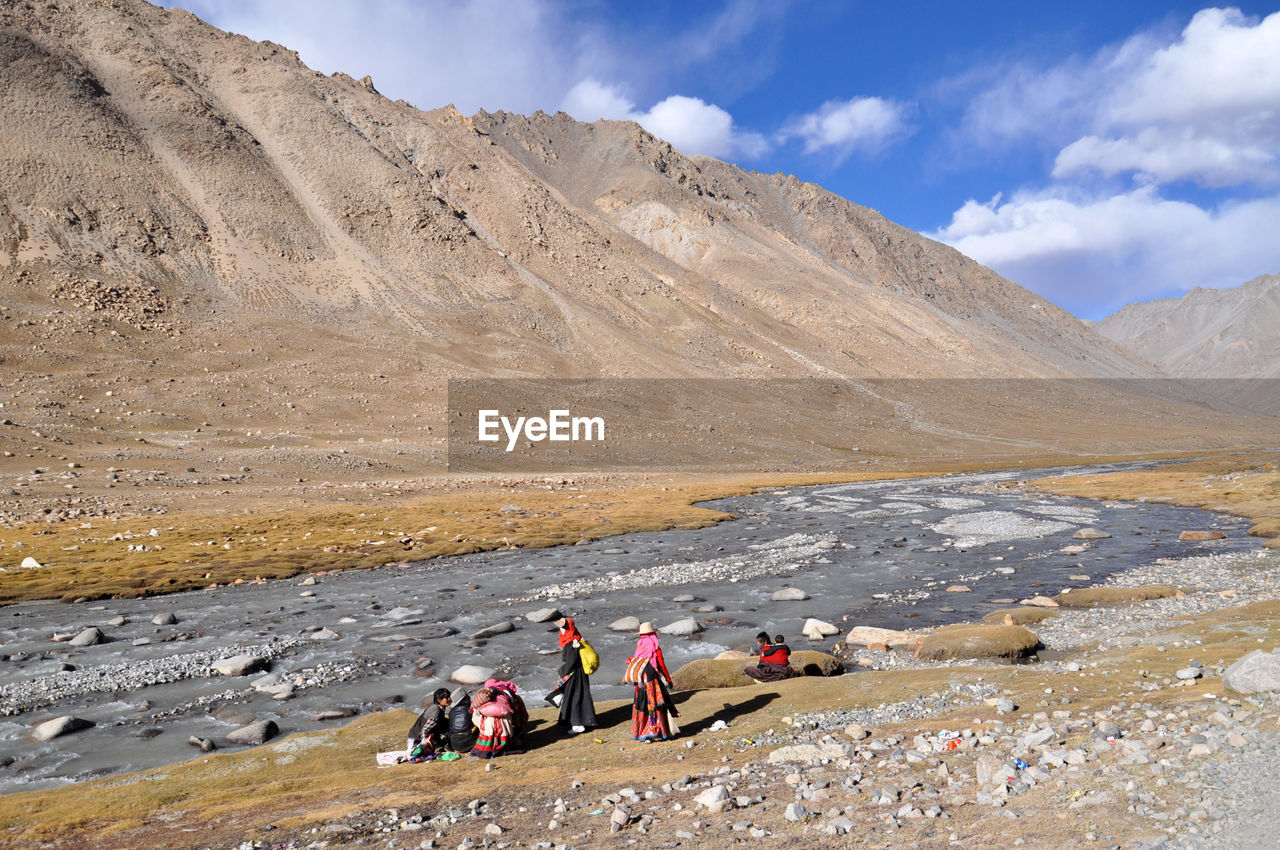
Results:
x,y
568,633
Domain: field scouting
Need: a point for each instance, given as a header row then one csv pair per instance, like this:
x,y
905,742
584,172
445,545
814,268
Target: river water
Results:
x,y
877,553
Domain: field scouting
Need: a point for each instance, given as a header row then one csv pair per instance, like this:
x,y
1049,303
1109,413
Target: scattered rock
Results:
x,y
817,629
625,624
1201,535
471,674
959,588
807,753
241,665
29,563
255,733
682,628
205,744
91,636
715,799
1040,602
546,615
795,812
1258,671
337,713
496,629
789,594
867,635
1091,534
164,619
58,727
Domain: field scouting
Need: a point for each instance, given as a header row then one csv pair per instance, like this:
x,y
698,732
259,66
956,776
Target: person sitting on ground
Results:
x,y
775,660
500,716
430,733
462,732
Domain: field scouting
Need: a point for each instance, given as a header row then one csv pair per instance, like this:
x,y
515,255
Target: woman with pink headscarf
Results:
x,y
652,711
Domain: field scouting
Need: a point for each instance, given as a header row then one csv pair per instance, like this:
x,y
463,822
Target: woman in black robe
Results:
x,y
573,695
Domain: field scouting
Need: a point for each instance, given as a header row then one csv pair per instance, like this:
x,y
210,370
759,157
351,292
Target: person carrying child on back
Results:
x,y
775,660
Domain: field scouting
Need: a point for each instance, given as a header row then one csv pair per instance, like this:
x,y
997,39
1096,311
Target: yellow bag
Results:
x,y
590,660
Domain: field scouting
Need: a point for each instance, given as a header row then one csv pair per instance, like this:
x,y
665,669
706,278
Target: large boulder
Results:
x,y
1255,672
91,636
807,753
546,615
241,665
496,629
815,629
727,673
58,727
471,674
790,594
871,636
255,733
625,624
682,628
983,641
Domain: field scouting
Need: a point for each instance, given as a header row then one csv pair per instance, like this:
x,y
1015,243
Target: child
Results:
x,y
775,660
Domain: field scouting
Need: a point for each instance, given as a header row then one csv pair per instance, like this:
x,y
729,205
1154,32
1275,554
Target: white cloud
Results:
x,y
1202,106
1223,68
1168,157
689,123
843,126
476,54
1085,252
1197,106
590,100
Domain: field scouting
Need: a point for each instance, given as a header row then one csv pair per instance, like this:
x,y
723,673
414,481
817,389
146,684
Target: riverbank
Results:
x,y
152,544
1118,749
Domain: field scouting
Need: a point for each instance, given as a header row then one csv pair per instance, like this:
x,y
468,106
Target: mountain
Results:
x,y
204,244
1207,333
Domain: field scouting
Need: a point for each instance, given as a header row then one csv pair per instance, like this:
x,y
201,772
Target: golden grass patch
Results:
x,y
704,673
977,641
1095,597
1019,616
1245,485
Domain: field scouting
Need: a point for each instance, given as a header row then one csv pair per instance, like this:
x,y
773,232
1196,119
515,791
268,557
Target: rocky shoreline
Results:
x,y
1160,765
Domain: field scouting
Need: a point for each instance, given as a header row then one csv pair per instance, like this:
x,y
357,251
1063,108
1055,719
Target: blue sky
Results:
x,y
1096,153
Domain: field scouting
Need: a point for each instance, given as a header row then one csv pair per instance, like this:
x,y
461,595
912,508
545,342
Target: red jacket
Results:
x,y
780,654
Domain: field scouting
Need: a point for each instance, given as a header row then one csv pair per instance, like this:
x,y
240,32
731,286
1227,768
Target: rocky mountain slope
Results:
x,y
1207,333
206,245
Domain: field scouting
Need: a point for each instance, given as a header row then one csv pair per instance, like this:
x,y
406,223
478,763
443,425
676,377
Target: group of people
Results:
x,y
492,721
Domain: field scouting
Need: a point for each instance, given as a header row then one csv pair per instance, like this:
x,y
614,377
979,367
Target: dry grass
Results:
x,y
193,550
307,779
972,641
702,673
1095,597
1244,485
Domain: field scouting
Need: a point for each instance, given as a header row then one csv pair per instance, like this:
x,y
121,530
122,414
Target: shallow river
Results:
x,y
878,553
